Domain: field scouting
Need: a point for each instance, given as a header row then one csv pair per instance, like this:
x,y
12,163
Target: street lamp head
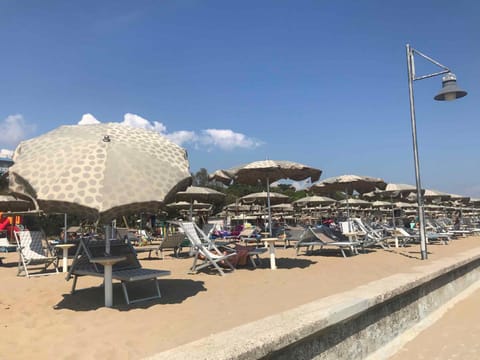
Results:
x,y
450,90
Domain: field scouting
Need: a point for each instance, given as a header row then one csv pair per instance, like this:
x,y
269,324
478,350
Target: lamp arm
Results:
x,y
444,71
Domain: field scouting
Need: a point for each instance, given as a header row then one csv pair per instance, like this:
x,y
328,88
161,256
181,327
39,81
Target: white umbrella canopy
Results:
x,y
401,205
433,195
185,205
348,184
357,202
310,200
380,203
268,171
200,194
460,198
99,171
283,207
393,190
197,193
275,198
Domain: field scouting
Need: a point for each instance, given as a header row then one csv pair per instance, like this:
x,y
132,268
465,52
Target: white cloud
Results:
x,y
137,121
224,139
88,119
182,137
5,153
14,129
227,139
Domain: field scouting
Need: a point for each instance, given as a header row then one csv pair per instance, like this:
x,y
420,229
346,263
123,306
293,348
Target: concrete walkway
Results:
x,y
455,335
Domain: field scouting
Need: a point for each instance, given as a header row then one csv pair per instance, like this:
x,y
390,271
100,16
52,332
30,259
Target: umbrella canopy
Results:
x,y
200,194
268,171
433,195
100,170
312,200
283,207
272,170
262,197
222,176
406,205
395,190
348,184
12,203
185,205
460,198
379,203
357,202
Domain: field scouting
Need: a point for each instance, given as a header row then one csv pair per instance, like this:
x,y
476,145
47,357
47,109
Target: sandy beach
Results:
x,y
39,317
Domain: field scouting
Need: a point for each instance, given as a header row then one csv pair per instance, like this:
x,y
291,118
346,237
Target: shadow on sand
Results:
x,y
287,263
174,291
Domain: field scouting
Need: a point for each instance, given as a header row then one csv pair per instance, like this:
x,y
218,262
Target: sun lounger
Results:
x,y
172,241
320,237
32,251
5,245
127,271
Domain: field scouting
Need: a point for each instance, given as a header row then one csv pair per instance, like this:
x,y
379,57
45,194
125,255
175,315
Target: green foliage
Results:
x,y
200,178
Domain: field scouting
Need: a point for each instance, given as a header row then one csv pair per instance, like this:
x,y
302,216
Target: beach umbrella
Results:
x,y
13,203
197,193
262,197
268,171
348,184
379,203
405,205
221,176
434,195
99,171
460,198
357,202
186,205
283,207
314,200
393,190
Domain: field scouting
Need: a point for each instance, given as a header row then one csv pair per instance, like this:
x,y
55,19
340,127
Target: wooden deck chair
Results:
x,y
31,252
204,250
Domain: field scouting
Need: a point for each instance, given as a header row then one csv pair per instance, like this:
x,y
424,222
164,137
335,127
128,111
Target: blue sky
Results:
x,y
323,83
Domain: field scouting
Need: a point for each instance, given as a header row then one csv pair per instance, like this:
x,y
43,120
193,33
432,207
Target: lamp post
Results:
x,y
449,91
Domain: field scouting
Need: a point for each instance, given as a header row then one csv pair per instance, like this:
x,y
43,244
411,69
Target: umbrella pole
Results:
x,y
65,232
394,223
348,213
269,210
191,210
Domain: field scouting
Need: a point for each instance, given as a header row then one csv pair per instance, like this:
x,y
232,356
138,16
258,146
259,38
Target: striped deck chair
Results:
x,y
32,252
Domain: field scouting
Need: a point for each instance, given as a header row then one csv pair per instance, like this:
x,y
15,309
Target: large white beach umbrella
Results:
x,y
99,171
268,171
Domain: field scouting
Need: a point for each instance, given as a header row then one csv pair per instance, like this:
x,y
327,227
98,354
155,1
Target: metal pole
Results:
x,y
269,210
411,76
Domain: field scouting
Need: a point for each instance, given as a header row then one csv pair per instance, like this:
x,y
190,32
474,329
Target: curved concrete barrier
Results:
x,y
348,325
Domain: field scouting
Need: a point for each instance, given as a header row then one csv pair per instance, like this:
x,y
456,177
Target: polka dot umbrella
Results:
x,y
99,171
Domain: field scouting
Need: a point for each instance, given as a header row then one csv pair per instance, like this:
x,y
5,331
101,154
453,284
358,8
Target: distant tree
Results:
x,y
3,183
200,178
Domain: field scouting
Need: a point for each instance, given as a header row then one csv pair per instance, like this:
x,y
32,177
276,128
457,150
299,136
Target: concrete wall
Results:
x,y
350,325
